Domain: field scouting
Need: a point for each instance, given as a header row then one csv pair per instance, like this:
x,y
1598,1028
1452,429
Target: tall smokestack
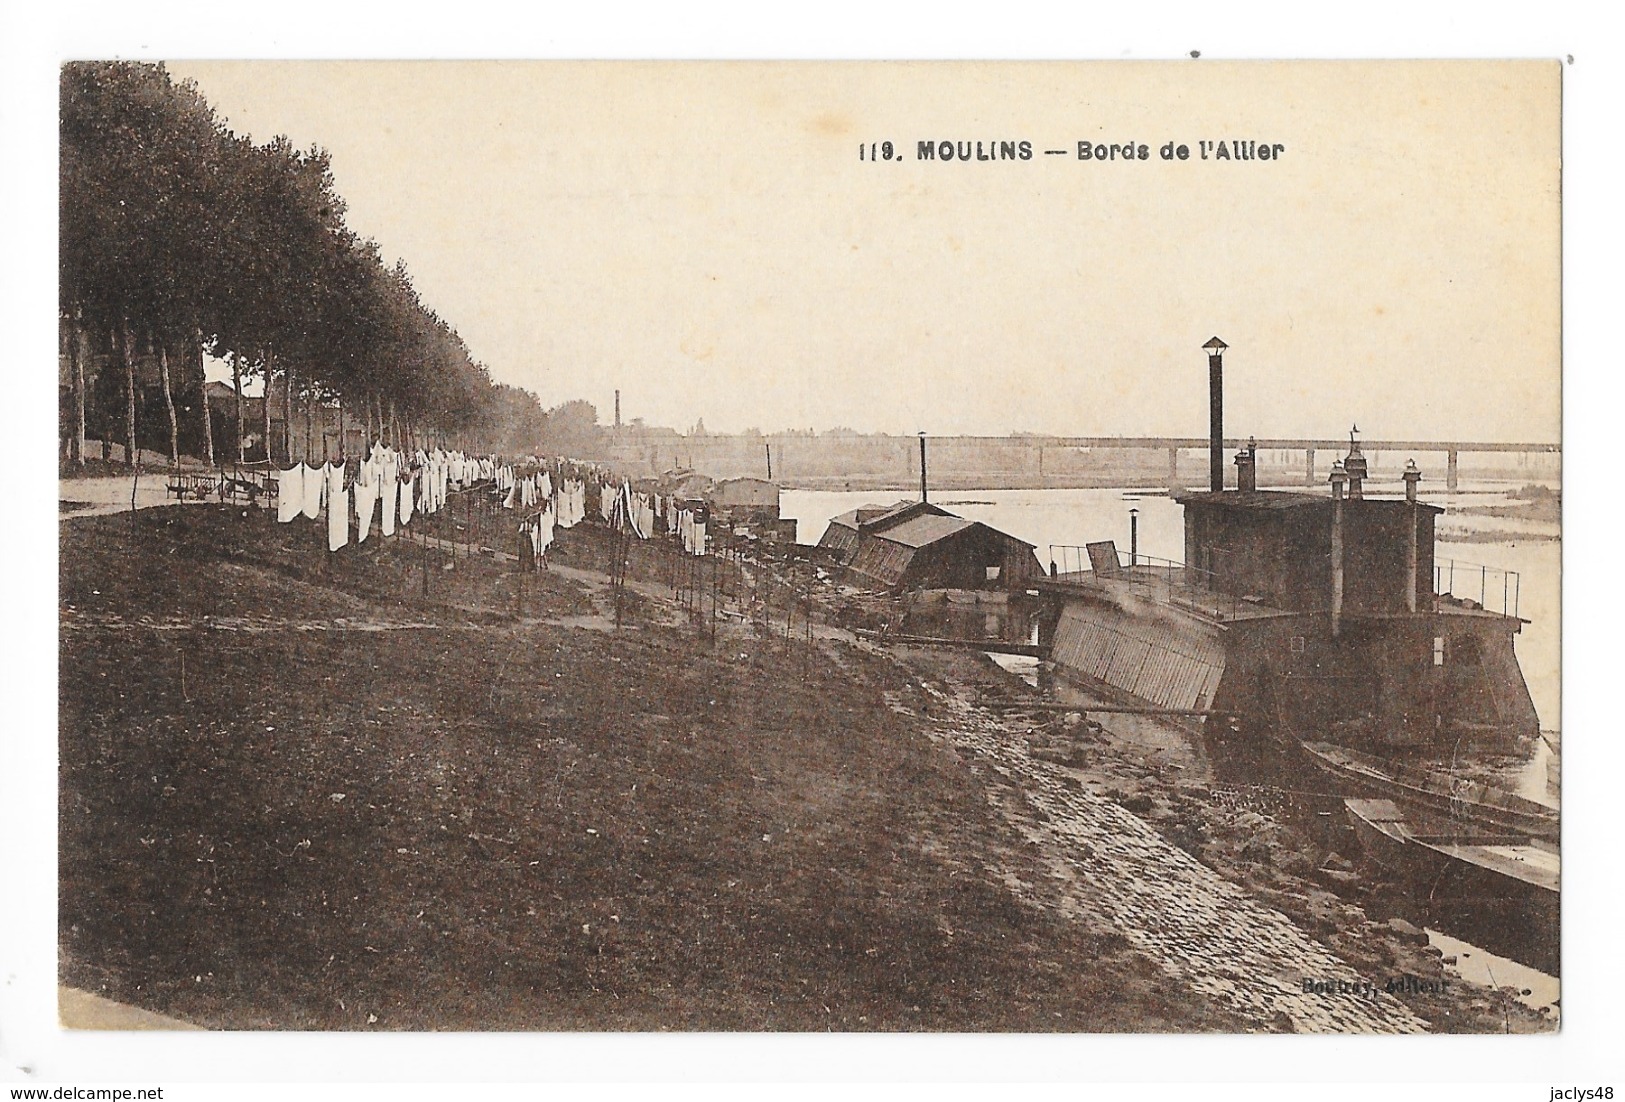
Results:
x,y
617,409
1215,413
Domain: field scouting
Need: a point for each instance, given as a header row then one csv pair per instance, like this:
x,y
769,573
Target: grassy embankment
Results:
x,y
296,793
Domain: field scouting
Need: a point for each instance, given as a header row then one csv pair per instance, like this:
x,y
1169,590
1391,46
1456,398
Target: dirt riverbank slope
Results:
x,y
297,793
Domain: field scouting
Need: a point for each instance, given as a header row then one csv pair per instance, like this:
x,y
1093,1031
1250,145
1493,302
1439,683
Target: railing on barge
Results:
x,y
1199,589
1449,573
1164,580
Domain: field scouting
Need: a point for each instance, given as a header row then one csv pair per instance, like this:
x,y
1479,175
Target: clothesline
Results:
x,y
546,495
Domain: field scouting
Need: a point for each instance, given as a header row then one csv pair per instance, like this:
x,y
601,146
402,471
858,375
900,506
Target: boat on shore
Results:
x,y
1316,643
1468,804
1311,615
1508,872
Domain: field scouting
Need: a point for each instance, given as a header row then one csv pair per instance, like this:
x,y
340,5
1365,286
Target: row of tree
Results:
x,y
180,239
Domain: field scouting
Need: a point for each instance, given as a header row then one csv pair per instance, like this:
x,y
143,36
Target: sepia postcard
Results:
x,y
931,547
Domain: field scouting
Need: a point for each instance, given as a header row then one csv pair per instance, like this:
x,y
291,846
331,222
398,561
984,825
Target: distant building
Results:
x,y
747,498
222,401
684,484
751,504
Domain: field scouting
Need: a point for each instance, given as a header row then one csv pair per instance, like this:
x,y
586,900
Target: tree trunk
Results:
x,y
127,350
237,405
310,430
105,428
340,405
203,397
265,408
64,427
287,414
169,404
76,359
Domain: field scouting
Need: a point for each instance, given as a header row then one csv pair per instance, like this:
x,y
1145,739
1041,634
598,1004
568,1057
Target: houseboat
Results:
x,y
1308,617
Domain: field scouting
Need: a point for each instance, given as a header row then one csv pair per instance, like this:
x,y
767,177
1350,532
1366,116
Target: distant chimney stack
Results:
x,y
1247,467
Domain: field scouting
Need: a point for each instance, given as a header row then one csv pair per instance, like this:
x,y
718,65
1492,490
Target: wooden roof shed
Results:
x,y
937,550
840,538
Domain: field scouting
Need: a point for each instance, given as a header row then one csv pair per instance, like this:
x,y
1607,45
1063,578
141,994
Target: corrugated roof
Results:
x,y
921,530
887,514
852,517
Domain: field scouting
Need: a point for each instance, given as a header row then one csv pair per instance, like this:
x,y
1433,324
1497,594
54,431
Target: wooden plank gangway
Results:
x,y
996,646
1105,709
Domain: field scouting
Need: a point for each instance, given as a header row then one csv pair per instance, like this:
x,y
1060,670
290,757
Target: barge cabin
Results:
x,y
1315,616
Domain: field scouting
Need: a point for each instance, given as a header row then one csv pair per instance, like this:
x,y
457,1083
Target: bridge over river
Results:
x,y
1452,450
802,456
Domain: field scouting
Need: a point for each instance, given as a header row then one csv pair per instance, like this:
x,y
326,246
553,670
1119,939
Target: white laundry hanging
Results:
x,y
290,493
338,509
315,483
388,498
366,496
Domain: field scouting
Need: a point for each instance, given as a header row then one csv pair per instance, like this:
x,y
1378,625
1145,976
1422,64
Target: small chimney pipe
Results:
x,y
1355,467
1411,476
1247,467
1339,477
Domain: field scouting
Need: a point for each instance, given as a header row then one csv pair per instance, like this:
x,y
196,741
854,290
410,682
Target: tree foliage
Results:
x,y
187,234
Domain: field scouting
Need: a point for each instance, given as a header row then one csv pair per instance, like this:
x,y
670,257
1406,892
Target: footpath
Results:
x,y
81,1010
1199,928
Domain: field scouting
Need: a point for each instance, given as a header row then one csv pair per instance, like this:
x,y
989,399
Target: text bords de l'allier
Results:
x,y
1221,149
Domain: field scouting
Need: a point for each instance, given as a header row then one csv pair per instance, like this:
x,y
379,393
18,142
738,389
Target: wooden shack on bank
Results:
x,y
748,499
751,505
916,545
840,539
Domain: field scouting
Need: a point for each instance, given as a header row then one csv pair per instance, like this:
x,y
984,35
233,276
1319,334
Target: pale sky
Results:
x,y
705,237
